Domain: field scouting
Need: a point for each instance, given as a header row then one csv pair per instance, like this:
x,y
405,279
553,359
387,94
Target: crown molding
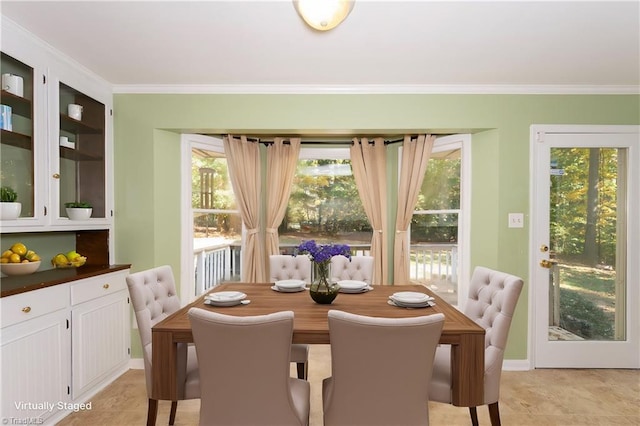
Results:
x,y
417,89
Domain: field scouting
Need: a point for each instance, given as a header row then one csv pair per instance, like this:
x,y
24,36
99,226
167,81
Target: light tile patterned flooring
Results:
x,y
538,397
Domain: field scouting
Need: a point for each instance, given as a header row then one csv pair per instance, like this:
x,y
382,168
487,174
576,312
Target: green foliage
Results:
x,y
78,205
8,195
569,203
584,318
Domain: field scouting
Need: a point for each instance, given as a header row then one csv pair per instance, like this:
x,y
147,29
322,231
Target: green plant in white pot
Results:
x,y
78,210
9,207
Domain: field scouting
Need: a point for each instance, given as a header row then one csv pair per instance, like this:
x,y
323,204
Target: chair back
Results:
x,y
284,267
358,268
492,300
381,369
153,297
245,380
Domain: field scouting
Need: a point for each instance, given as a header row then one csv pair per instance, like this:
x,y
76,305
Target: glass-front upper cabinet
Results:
x,y
80,166
22,197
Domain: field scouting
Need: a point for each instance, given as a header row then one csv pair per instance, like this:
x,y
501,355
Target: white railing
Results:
x,y
216,263
438,261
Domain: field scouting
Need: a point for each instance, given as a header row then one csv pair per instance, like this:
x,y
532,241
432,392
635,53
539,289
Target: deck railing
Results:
x,y
217,263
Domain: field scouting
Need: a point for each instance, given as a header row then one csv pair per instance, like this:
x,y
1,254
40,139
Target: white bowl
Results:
x,y
79,213
19,268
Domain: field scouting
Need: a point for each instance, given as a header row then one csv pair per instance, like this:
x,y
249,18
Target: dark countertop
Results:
x,y
17,284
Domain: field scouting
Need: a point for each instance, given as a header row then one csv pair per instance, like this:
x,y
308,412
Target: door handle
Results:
x,y
548,263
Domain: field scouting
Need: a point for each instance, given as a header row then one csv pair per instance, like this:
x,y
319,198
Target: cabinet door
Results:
x,y
100,340
35,367
80,162
22,141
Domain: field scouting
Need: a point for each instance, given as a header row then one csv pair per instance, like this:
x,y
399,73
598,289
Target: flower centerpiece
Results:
x,y
322,290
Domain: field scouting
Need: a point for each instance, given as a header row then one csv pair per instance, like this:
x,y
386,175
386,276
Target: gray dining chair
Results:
x,y
245,380
285,267
154,297
492,300
380,369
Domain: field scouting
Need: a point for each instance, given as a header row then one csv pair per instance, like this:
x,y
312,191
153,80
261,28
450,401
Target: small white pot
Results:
x,y
79,213
10,211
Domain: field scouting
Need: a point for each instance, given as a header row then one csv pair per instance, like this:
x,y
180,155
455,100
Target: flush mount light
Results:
x,y
323,15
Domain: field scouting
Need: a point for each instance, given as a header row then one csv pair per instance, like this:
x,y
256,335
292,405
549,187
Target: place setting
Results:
x,y
411,299
289,286
354,286
226,298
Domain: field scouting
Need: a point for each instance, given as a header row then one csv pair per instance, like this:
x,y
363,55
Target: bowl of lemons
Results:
x,y
71,259
19,260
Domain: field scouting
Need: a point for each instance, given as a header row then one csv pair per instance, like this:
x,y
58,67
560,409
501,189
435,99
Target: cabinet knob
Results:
x,y
26,309
56,175
105,286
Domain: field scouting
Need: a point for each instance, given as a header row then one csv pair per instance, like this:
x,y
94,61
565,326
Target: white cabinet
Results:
x,y
45,173
62,344
100,330
36,344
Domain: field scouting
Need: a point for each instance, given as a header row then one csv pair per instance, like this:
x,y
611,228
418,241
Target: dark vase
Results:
x,y
322,290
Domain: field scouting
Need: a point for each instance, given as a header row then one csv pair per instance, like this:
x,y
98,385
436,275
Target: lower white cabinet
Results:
x,y
100,325
62,344
35,368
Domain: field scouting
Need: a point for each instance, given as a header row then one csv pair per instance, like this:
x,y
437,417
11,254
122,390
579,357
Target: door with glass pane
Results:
x,y
585,250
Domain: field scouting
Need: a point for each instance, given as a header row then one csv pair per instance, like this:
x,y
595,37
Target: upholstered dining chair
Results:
x,y
245,380
154,297
492,299
357,268
377,369
284,267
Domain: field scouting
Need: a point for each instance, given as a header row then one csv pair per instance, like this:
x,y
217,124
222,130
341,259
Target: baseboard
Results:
x,y
136,364
516,365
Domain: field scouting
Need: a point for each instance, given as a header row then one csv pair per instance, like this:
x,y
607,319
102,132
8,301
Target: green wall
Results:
x,y
147,159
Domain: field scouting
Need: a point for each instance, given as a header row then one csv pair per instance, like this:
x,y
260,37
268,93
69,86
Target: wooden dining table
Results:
x,y
311,326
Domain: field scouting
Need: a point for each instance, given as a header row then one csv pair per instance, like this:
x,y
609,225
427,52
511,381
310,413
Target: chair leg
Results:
x,y
172,415
302,370
494,414
473,412
152,412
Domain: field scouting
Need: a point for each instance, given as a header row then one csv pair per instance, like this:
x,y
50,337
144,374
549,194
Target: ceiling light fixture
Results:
x,y
323,15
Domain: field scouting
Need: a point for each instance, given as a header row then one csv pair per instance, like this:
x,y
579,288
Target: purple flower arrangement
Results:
x,y
321,253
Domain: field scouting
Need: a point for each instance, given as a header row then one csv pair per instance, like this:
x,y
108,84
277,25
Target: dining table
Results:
x,y
311,326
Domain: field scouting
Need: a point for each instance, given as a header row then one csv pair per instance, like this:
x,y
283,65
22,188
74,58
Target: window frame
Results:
x,y
445,143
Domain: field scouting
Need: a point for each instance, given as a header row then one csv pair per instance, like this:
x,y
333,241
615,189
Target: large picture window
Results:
x,y
324,204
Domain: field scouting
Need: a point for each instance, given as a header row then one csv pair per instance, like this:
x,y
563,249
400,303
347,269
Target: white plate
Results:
x,y
288,290
289,284
360,290
352,285
225,304
226,296
410,297
426,304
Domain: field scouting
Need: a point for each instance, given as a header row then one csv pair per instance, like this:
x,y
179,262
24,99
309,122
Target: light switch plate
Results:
x,y
516,220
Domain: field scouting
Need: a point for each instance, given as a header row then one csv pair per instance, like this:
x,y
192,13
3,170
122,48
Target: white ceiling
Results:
x,y
452,46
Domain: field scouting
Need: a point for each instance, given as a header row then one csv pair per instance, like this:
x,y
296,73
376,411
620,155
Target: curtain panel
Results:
x,y
369,163
415,156
282,159
243,161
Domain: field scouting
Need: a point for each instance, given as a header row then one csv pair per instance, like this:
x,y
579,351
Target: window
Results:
x,y
215,235
436,224
324,204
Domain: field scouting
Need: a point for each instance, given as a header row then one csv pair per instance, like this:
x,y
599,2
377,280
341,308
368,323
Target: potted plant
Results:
x,y
78,210
9,208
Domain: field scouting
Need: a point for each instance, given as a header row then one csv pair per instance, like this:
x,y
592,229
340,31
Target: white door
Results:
x,y
585,246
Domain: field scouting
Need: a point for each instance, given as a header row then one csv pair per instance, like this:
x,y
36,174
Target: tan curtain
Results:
x,y
415,156
282,159
369,160
243,161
